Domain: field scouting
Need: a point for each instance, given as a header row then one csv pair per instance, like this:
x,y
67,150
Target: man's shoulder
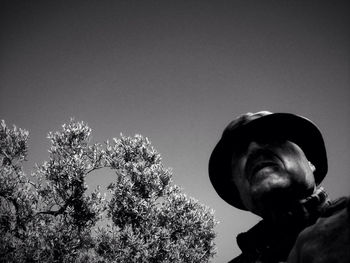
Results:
x,y
336,206
328,238
243,258
239,259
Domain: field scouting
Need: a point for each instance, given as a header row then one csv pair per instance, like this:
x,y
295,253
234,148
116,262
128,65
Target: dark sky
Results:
x,y
177,72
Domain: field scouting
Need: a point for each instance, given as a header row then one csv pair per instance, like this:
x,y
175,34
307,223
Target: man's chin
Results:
x,y
272,184
270,177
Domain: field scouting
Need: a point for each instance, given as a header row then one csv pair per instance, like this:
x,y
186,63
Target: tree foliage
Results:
x,y
50,216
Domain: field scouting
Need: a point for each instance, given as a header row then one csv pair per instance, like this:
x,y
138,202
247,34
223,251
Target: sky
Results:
x,y
177,72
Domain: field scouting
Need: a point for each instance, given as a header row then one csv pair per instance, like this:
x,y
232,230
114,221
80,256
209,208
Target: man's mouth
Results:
x,y
261,165
260,160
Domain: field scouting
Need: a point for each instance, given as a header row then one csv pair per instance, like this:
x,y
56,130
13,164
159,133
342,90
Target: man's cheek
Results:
x,y
301,177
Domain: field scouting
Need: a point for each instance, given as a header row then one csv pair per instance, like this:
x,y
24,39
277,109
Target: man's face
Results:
x,y
270,175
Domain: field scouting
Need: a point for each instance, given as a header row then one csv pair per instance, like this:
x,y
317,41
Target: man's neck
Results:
x,y
273,239
299,213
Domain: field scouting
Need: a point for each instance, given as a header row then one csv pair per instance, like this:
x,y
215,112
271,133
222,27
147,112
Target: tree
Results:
x,y
51,217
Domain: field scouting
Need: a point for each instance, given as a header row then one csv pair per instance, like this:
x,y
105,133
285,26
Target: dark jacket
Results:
x,y
265,244
328,240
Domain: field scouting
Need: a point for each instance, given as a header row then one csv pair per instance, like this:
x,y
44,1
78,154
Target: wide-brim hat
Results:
x,y
247,127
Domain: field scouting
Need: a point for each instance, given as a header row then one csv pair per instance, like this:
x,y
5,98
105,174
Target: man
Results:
x,y
271,164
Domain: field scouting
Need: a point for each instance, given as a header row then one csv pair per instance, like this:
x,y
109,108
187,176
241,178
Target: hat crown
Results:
x,y
244,119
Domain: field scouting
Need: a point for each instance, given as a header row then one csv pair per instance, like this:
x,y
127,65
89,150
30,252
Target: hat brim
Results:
x,y
294,128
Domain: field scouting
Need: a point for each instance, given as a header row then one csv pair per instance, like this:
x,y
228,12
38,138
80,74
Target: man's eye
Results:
x,y
240,148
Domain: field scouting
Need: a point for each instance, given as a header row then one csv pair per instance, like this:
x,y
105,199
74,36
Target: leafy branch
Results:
x,y
55,219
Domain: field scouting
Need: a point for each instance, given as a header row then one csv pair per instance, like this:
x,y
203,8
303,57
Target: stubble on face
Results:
x,y
271,177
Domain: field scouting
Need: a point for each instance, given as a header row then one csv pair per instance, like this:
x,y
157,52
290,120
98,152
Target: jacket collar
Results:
x,y
265,242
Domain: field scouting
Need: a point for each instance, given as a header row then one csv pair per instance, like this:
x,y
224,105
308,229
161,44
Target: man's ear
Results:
x,y
313,168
